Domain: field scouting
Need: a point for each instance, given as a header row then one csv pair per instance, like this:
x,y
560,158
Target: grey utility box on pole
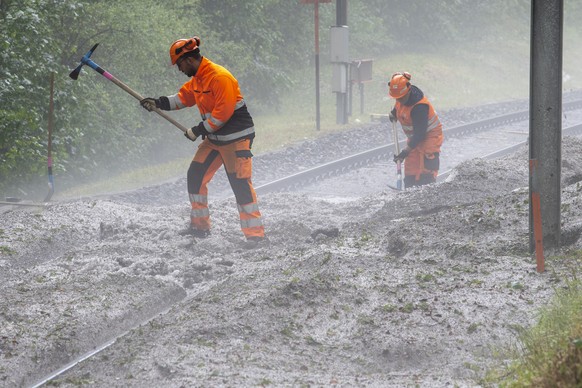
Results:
x,y
339,59
360,72
340,65
340,52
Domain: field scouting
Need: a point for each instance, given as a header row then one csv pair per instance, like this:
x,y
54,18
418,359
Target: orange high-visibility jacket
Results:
x,y
403,115
217,94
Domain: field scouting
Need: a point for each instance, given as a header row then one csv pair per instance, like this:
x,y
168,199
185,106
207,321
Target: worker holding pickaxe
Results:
x,y
227,131
423,130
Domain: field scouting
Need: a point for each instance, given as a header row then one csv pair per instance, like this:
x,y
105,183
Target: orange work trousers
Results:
x,y
421,166
237,160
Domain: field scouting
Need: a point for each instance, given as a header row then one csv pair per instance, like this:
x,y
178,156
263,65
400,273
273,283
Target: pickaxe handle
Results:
x,y
86,61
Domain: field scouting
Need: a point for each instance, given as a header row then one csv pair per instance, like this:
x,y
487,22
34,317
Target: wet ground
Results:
x,y
426,287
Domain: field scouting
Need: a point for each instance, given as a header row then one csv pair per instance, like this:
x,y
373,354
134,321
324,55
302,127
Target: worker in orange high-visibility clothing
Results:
x,y
227,131
423,130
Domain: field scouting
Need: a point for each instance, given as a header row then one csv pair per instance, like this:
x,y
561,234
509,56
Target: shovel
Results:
x,y
397,152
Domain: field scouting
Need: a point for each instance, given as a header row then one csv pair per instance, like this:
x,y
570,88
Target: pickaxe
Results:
x,y
86,61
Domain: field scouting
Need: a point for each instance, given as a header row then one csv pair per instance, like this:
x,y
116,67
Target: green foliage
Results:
x,y
97,126
267,44
261,40
552,354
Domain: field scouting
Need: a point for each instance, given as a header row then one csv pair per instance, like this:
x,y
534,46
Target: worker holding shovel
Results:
x,y
227,131
423,130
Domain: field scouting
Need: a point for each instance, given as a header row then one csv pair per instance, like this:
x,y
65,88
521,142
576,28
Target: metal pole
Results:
x,y
537,216
545,133
342,12
317,107
342,98
350,96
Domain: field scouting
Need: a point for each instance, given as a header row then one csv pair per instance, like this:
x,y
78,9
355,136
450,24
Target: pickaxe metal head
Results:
x,y
75,73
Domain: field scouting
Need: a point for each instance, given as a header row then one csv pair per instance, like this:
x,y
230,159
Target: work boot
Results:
x,y
256,242
191,231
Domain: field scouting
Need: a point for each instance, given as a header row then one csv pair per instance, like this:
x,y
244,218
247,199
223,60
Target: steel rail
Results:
x,y
368,157
575,130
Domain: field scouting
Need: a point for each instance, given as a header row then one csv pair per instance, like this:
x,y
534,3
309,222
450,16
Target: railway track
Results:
x,y
300,180
384,152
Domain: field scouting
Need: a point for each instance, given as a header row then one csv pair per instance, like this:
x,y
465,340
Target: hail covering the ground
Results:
x,y
422,287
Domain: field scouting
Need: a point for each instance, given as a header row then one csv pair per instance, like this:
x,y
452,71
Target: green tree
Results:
x,y
267,44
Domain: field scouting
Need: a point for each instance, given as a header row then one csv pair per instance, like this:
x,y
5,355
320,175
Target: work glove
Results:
x,y
196,131
150,103
392,118
401,156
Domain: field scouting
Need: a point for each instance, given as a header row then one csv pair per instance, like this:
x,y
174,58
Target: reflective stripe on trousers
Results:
x,y
236,158
250,218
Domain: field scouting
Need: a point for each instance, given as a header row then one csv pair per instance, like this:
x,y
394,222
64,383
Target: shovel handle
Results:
x,y
398,163
395,138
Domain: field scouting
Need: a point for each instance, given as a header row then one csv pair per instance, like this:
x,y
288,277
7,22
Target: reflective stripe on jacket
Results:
x,y
403,115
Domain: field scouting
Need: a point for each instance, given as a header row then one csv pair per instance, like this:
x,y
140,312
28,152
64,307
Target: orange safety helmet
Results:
x,y
183,46
399,84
